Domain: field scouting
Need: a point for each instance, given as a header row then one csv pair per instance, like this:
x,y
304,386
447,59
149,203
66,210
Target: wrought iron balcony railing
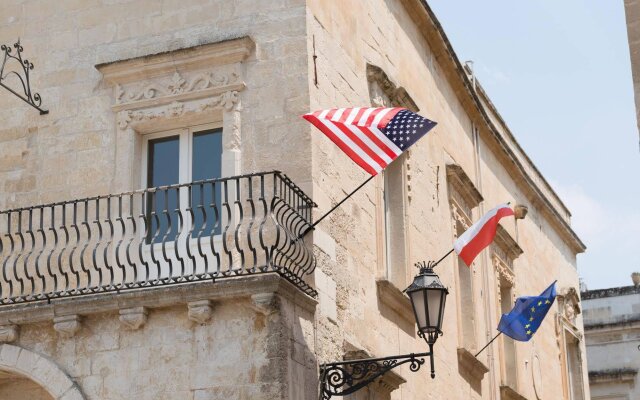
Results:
x,y
205,230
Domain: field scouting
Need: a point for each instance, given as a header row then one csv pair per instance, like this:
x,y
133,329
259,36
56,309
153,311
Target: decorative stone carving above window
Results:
x,y
463,195
462,184
506,247
398,96
569,305
177,83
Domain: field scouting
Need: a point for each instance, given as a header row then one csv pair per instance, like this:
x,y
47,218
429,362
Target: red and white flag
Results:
x,y
480,234
371,137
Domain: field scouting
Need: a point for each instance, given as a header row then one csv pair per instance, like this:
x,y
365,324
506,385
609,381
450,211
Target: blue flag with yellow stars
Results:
x,y
526,316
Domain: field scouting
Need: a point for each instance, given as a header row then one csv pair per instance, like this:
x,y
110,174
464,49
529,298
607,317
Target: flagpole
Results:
x,y
441,258
487,345
310,228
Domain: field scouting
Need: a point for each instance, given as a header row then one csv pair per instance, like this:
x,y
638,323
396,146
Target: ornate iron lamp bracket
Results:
x,y
346,377
33,99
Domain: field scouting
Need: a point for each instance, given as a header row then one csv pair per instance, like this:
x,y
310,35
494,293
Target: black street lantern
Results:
x,y
428,297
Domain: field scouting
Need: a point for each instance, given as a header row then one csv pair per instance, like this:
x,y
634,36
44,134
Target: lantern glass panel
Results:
x,y
417,300
434,297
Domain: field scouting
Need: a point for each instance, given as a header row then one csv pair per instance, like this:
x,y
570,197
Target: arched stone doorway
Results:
x,y
28,375
17,387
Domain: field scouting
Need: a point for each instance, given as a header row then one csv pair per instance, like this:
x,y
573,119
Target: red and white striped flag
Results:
x,y
480,234
372,137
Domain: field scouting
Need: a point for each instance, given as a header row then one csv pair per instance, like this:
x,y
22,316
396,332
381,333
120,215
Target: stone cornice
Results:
x,y
203,56
471,364
391,296
522,170
463,185
157,297
613,375
508,245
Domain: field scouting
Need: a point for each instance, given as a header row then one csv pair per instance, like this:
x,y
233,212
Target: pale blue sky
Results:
x,y
560,75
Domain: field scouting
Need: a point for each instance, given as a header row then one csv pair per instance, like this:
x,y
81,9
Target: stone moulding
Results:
x,y
226,100
509,393
391,296
473,366
264,303
461,182
200,311
67,326
9,333
268,290
197,57
134,318
507,244
41,370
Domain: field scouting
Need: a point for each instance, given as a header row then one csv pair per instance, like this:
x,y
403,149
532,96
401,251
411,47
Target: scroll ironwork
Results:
x,y
24,91
347,377
200,231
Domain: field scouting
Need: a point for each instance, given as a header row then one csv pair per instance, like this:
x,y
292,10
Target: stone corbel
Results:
x,y
134,318
200,311
67,325
264,303
9,333
471,365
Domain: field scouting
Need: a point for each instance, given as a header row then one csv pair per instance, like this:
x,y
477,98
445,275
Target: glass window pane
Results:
x,y
163,169
206,163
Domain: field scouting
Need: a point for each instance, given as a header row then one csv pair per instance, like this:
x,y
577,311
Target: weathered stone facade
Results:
x,y
632,13
113,73
612,333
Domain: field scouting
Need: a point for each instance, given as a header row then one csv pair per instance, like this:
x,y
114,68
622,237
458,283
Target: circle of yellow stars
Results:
x,y
531,318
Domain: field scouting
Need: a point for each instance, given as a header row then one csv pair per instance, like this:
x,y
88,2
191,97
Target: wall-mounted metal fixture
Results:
x,y
33,99
428,297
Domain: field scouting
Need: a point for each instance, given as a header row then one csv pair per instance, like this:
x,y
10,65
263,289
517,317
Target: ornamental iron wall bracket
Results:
x,y
33,99
346,377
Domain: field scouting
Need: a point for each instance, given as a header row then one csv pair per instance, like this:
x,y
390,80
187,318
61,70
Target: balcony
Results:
x,y
201,231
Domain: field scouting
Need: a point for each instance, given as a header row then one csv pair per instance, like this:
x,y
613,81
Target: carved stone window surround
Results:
x,y
463,198
462,190
393,265
178,89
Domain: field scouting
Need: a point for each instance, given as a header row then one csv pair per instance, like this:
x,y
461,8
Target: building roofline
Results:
x,y
610,292
478,101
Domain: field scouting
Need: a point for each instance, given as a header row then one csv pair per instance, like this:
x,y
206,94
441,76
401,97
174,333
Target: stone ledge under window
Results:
x,y
391,296
471,365
509,393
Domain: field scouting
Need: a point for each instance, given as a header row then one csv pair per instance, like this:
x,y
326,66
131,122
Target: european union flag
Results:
x,y
526,316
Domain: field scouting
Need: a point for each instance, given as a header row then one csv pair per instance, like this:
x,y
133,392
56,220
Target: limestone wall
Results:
x,y
388,37
300,56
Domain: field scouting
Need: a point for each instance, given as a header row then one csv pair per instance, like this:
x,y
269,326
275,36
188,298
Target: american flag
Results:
x,y
372,137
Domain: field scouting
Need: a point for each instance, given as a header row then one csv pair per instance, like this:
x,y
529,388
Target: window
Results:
x,y
505,250
463,198
392,251
394,224
180,157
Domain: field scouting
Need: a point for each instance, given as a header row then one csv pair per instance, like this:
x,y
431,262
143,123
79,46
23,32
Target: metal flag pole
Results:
x,y
441,258
312,227
487,345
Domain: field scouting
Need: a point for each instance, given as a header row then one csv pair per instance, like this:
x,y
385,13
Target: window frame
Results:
x,y
185,137
185,173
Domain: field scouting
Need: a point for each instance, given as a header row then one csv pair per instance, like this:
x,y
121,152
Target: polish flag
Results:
x,y
480,234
